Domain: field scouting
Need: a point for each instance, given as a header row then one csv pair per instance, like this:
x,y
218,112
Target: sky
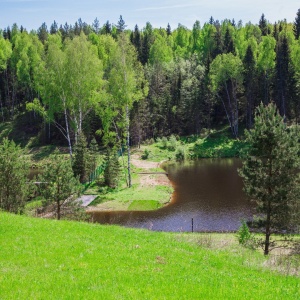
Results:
x,y
32,13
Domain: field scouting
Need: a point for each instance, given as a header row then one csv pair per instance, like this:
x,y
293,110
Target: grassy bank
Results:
x,y
44,259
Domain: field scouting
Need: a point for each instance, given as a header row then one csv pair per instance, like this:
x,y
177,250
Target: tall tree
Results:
x,y
271,170
121,25
285,77
250,84
263,25
226,75
266,64
96,26
296,27
13,177
126,85
69,83
42,33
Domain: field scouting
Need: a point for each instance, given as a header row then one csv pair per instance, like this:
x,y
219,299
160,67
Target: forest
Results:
x,y
109,81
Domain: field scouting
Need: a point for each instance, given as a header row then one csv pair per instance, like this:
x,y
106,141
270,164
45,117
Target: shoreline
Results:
x,y
149,177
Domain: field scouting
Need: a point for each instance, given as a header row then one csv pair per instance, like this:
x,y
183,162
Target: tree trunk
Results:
x,y
128,147
68,132
58,210
268,232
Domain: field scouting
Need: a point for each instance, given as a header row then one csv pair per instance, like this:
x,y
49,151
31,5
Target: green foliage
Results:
x,y
5,52
14,182
58,185
271,170
180,153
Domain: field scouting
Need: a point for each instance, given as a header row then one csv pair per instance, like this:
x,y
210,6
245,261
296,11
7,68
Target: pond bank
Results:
x,y
151,189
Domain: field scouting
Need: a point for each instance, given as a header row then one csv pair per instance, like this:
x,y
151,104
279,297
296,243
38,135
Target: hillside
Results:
x,y
44,259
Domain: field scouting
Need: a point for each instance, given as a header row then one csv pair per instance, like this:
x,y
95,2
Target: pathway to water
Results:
x,y
86,199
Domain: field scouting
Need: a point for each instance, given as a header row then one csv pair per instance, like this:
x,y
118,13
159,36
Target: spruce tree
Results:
x,y
270,171
296,27
121,25
169,31
263,25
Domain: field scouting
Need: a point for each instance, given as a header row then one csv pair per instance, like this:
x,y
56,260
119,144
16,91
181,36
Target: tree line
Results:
x,y
110,81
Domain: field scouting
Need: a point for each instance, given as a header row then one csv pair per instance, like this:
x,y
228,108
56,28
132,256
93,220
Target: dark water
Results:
x,y
209,191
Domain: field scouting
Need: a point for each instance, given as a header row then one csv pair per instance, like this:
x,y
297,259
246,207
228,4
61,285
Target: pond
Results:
x,y
208,193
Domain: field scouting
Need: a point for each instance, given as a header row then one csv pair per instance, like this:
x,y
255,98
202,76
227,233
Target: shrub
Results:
x,y
172,143
145,154
244,236
180,153
164,142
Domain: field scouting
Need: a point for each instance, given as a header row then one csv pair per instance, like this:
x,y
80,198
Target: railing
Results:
x,y
93,175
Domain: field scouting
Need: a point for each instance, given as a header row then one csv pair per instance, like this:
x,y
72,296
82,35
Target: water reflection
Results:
x,y
208,190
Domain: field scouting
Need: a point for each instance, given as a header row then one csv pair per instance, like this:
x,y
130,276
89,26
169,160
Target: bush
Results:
x,y
180,153
172,143
244,236
164,142
145,154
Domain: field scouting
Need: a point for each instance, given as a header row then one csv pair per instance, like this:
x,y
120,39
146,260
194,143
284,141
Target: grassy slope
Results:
x,y
43,259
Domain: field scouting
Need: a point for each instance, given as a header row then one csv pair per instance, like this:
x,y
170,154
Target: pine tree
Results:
x,y
263,25
169,31
270,170
228,43
107,28
96,26
53,28
43,33
13,177
284,76
58,184
296,27
121,25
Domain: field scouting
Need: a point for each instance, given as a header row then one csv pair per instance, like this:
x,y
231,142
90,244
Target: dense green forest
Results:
x,y
108,81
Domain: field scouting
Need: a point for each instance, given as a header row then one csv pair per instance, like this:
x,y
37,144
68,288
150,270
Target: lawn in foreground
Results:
x,y
46,259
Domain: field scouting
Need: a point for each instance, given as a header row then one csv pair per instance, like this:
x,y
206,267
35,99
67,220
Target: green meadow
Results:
x,y
48,259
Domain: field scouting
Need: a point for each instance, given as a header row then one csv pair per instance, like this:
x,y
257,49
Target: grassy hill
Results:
x,y
46,259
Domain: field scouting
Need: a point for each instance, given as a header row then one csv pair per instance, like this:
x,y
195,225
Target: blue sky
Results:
x,y
32,13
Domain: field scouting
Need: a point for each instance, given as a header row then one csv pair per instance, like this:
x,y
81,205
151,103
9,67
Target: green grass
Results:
x,y
44,259
144,205
210,144
127,198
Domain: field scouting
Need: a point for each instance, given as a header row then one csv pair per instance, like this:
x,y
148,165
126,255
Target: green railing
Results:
x,y
93,175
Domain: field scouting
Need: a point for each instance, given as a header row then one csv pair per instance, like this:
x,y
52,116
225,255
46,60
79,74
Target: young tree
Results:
x,y
270,170
58,184
13,177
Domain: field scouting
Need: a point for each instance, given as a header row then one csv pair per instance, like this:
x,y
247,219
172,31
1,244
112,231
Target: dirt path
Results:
x,y
149,179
